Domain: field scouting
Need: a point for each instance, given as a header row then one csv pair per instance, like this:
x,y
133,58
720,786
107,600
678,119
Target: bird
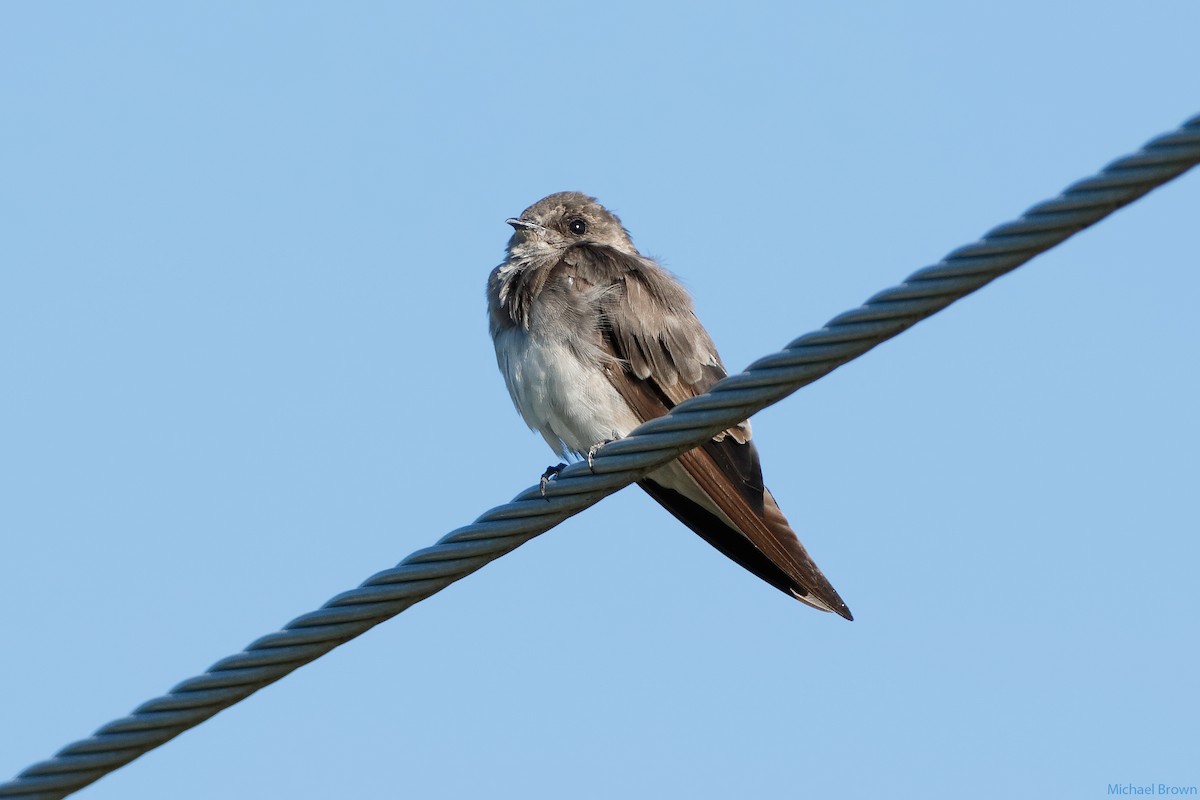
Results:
x,y
593,338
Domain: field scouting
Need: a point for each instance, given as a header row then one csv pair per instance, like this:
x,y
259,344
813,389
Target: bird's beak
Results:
x,y
524,224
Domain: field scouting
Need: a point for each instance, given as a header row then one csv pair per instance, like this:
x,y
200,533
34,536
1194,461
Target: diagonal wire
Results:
x,y
616,465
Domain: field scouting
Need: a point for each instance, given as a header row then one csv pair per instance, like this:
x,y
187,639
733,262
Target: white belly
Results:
x,y
569,401
573,405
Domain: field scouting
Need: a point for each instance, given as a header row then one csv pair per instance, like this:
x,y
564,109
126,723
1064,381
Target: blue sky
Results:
x,y
246,366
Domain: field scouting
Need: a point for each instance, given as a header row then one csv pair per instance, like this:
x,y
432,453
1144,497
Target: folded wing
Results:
x,y
663,356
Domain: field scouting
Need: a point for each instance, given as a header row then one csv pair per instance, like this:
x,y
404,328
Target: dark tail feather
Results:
x,y
738,548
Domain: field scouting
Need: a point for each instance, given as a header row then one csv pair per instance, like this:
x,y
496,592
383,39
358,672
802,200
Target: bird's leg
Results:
x,y
591,453
549,475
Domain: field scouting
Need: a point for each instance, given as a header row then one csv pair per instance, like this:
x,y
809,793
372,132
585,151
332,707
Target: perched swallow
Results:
x,y
593,338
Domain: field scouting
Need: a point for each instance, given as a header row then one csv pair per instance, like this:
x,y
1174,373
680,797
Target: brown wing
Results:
x,y
666,356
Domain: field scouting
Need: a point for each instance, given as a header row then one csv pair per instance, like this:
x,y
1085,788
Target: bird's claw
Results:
x,y
550,474
591,453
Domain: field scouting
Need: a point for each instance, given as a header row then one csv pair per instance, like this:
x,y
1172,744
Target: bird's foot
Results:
x,y
550,474
591,453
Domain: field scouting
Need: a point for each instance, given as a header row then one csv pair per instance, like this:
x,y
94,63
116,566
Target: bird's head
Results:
x,y
566,219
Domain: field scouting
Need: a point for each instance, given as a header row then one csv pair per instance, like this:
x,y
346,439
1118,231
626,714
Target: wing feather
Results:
x,y
663,356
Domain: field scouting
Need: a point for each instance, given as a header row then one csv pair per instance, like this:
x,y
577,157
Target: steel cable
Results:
x,y
505,528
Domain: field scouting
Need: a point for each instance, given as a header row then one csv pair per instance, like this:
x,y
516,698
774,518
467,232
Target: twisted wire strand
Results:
x,y
505,528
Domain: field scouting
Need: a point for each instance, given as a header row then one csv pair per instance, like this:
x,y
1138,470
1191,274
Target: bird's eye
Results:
x,y
577,227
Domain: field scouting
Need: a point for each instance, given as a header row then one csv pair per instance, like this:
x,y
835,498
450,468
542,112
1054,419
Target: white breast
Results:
x,y
569,401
